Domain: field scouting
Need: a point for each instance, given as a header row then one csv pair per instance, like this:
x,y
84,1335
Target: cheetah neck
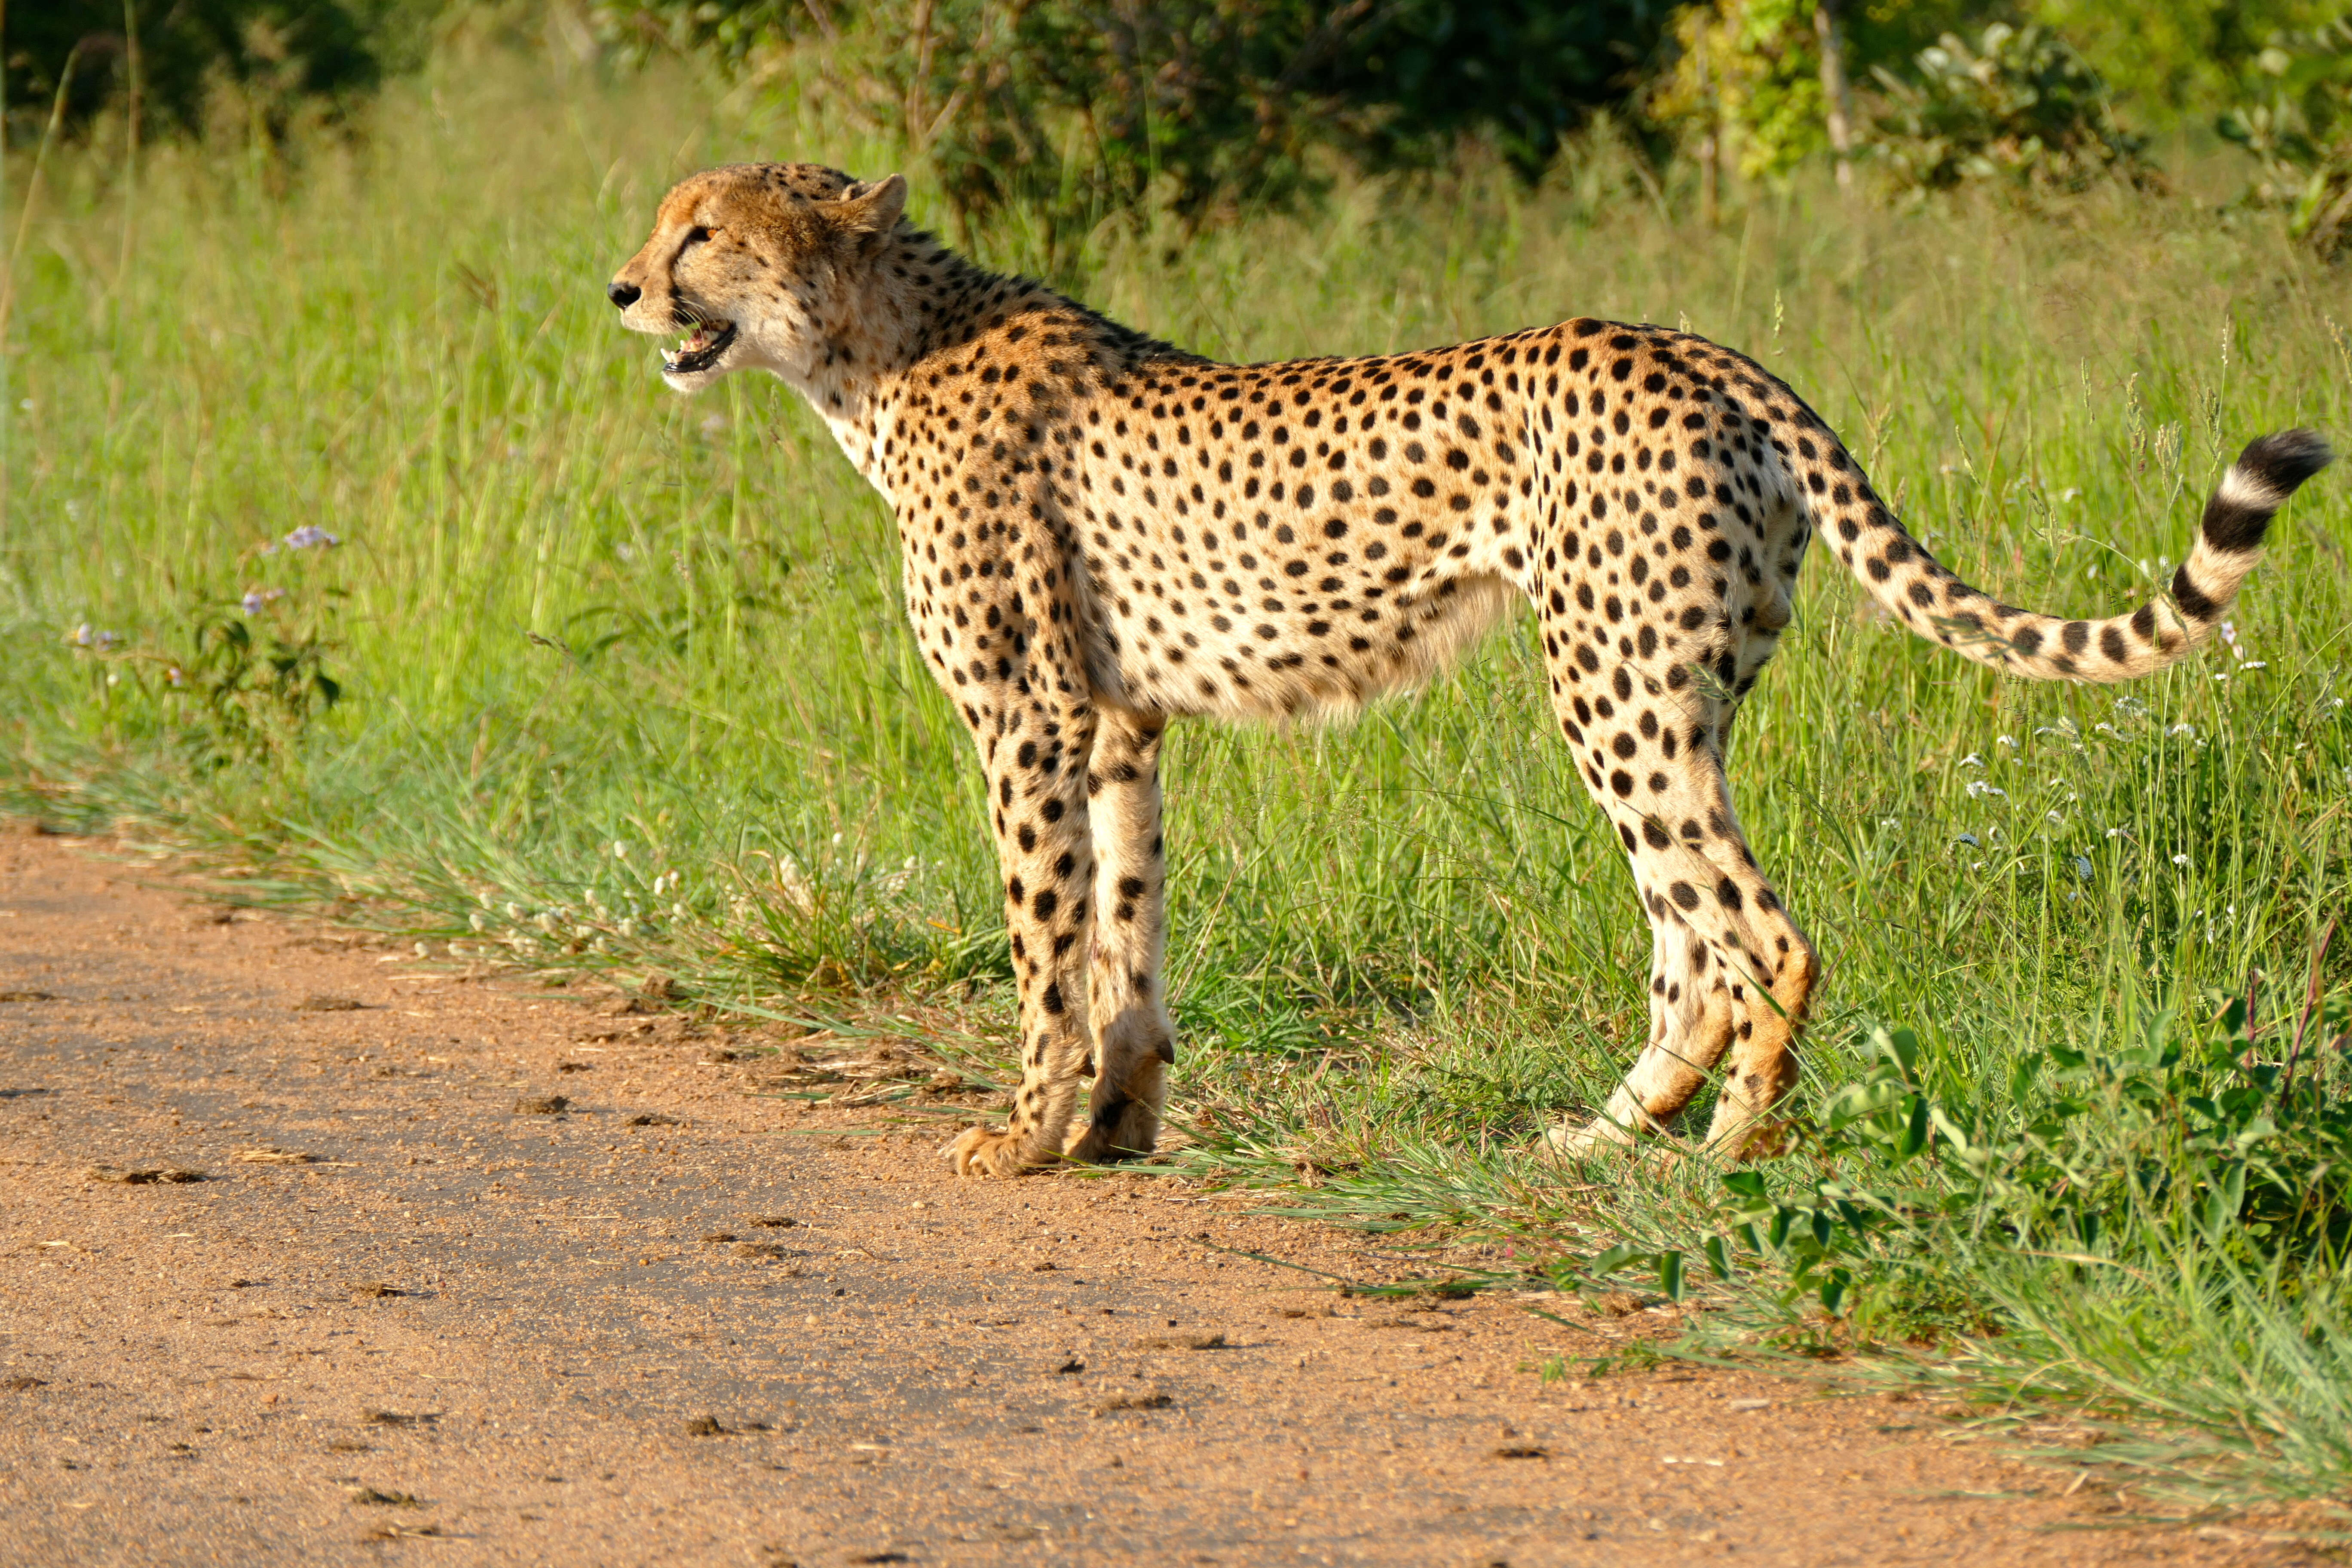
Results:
x,y
923,299
927,308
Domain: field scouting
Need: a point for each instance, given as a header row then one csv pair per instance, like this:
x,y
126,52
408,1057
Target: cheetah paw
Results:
x,y
1747,1141
984,1152
1656,1153
1589,1139
1132,1136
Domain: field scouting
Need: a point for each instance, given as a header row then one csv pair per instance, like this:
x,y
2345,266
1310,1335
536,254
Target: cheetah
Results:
x,y
1102,532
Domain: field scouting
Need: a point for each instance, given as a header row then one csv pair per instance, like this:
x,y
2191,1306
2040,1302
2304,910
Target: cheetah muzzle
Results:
x,y
1101,533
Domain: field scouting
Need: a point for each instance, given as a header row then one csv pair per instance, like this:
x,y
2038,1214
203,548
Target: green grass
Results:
x,y
624,684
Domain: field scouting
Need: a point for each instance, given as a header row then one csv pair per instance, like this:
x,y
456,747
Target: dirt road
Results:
x,y
677,1323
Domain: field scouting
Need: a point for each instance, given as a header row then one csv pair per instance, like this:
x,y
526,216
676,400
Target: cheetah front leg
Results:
x,y
1035,742
1134,1042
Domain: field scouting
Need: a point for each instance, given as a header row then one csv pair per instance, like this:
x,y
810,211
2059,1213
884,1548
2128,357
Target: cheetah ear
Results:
x,y
873,207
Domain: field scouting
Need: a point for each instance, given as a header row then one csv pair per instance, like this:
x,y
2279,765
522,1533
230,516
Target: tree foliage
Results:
x,y
277,54
2019,108
2168,61
2297,123
1075,108
1062,112
1751,70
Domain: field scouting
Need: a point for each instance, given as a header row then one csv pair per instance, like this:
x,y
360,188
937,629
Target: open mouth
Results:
x,y
700,350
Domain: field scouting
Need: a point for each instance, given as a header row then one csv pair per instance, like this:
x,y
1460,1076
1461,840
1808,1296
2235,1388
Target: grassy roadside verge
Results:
x,y
619,681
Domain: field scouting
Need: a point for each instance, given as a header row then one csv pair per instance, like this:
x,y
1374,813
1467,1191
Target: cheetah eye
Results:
x,y
696,235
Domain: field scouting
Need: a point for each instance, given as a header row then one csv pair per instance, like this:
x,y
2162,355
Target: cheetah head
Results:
x,y
760,266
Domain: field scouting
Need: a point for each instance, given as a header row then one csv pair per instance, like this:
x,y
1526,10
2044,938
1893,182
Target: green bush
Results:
x,y
2247,1140
2298,125
2019,109
1072,110
251,675
1749,72
277,54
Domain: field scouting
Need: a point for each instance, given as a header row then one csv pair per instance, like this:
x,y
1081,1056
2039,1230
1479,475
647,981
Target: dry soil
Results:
x,y
410,1314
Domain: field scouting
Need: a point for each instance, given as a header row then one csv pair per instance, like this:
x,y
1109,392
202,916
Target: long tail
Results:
x,y
1931,601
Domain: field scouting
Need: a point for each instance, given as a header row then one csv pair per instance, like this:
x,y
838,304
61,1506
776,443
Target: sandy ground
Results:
x,y
681,1321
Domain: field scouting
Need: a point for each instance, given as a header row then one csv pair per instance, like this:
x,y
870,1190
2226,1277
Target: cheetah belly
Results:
x,y
1239,634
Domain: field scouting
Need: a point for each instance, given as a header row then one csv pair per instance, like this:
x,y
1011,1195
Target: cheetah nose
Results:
x,y
623,294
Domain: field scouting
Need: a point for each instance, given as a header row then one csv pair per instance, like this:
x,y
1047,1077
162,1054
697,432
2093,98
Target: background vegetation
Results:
x,y
344,540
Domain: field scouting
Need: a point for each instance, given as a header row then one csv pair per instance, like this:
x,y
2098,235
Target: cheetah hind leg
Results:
x,y
1123,1119
1134,1041
1763,1061
1690,1028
